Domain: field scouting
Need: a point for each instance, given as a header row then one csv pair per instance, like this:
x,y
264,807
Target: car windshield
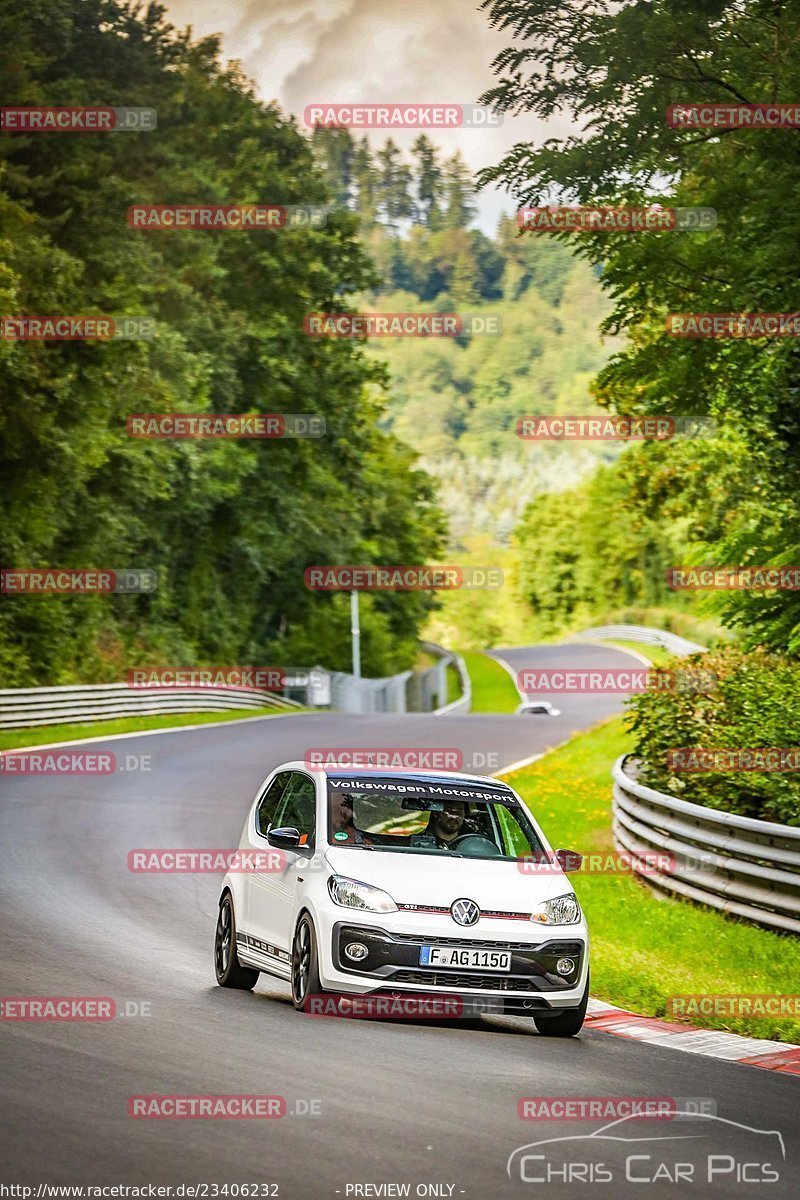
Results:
x,y
418,818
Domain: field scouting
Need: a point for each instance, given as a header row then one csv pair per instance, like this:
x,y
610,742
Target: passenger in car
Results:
x,y
343,826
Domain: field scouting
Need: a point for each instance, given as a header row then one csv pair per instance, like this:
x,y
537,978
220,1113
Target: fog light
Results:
x,y
356,951
565,966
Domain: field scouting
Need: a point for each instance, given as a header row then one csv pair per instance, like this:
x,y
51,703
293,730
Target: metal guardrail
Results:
x,y
21,708
645,634
447,659
739,865
415,691
359,695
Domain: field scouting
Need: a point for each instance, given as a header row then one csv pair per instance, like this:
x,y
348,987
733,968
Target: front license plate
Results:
x,y
458,957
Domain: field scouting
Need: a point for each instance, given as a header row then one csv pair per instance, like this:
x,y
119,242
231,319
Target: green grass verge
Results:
x,y
453,684
645,948
657,655
44,734
493,690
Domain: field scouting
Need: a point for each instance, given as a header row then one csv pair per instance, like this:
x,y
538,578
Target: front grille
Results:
x,y
559,948
489,943
487,983
493,914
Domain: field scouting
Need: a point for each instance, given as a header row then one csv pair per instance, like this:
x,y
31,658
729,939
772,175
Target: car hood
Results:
x,y
434,880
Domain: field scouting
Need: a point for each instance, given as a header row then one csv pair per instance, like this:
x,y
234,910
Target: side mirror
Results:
x,y
284,839
569,860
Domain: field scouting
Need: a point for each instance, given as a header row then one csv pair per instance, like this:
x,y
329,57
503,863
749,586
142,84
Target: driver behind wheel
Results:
x,y
443,828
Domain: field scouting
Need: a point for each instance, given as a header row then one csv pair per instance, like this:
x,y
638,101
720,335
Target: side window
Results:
x,y
298,808
272,797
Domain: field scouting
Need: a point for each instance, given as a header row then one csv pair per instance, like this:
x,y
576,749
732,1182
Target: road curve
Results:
x,y
416,1103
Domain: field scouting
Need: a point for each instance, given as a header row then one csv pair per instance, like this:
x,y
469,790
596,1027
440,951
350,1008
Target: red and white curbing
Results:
x,y
752,1052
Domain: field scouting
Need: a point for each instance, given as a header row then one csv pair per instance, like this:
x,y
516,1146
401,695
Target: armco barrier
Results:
x,y
26,707
464,702
417,691
359,695
410,691
740,865
643,633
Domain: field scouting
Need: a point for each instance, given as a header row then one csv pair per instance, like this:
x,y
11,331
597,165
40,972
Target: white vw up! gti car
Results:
x,y
378,883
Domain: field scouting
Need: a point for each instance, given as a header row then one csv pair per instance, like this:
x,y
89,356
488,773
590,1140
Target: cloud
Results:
x,y
305,51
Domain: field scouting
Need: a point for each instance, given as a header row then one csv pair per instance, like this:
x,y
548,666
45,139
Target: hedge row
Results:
x,y
752,703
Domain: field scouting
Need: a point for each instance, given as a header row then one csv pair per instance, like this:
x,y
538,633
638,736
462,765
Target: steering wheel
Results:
x,y
474,843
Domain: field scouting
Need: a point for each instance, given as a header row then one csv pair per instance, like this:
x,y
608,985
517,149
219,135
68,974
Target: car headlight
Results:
x,y
562,910
350,893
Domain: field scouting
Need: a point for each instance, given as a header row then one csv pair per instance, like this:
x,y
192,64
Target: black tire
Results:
x,y
567,1023
229,971
305,963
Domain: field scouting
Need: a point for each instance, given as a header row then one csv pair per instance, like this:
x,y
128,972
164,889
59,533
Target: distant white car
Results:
x,y
539,708
400,884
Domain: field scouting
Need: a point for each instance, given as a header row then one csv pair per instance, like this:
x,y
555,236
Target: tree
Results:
x,y
615,70
229,526
334,151
394,186
366,182
459,191
429,181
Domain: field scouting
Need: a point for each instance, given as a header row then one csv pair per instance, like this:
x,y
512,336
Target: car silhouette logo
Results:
x,y
613,1132
464,912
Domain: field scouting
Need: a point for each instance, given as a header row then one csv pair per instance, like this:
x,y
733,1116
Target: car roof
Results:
x,y
423,778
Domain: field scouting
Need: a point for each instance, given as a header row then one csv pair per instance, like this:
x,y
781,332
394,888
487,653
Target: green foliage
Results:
x,y
755,704
228,526
457,401
615,69
585,550
646,947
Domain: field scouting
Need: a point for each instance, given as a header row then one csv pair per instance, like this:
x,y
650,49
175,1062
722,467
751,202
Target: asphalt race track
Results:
x,y
419,1103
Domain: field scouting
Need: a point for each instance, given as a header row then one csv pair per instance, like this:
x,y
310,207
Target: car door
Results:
x,y
254,838
272,893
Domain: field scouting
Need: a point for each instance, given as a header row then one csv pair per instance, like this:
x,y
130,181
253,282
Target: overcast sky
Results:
x,y
305,51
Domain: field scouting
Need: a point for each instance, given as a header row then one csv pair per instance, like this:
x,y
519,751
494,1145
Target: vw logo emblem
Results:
x,y
464,912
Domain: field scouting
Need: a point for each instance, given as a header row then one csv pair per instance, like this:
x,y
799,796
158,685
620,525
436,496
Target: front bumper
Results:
x,y
392,967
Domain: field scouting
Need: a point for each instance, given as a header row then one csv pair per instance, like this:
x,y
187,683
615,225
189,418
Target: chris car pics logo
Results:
x,y
701,1151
